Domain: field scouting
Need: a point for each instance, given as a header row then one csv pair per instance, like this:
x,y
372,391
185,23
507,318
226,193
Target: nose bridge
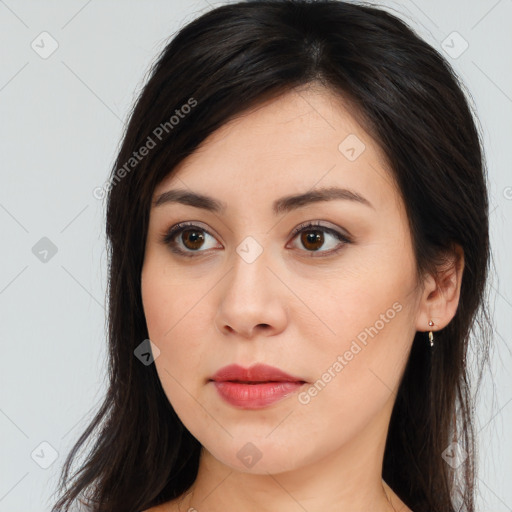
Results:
x,y
249,296
250,276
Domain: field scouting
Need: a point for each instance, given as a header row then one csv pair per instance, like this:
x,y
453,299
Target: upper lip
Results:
x,y
256,373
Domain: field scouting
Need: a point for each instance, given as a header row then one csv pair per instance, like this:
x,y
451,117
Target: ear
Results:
x,y
441,293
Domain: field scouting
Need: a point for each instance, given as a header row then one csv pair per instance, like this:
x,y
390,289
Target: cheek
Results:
x,y
173,321
371,315
357,377
175,325
156,301
180,366
170,300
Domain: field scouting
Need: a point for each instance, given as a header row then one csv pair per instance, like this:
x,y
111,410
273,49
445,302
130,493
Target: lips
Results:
x,y
257,373
256,387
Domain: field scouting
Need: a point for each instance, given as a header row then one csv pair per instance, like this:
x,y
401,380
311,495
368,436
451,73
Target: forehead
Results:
x,y
287,145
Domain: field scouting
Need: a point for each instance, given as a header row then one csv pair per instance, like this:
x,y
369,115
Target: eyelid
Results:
x,y
318,224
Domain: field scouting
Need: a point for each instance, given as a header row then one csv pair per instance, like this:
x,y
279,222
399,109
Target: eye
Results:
x,y
189,240
312,238
192,238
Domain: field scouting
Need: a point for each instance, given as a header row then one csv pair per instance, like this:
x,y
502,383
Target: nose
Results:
x,y
252,301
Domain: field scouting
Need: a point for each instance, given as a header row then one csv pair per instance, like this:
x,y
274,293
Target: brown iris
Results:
x,y
316,238
195,238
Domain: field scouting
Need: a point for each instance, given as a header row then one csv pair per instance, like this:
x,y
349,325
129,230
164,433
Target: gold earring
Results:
x,y
430,335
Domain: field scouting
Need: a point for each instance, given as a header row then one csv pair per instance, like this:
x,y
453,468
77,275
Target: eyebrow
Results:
x,y
284,204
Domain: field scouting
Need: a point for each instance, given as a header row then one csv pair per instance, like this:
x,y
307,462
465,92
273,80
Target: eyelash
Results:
x,y
168,238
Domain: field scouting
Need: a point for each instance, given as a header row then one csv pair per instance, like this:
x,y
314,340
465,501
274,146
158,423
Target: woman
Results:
x,y
298,221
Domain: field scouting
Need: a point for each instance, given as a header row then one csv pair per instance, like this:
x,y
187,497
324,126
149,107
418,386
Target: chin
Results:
x,y
260,456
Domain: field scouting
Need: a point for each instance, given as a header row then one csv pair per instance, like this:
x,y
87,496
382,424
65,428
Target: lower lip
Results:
x,y
255,396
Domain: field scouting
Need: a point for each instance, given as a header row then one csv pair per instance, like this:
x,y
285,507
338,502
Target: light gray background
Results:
x,y
62,118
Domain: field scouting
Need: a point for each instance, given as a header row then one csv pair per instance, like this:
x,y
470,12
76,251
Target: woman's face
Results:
x,y
240,287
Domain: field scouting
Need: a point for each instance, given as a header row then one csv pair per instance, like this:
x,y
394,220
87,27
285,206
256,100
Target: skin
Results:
x,y
289,308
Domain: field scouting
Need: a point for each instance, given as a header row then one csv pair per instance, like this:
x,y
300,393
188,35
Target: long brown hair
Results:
x,y
408,97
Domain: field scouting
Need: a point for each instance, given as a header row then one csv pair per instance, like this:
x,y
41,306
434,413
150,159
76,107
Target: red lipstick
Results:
x,y
255,387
